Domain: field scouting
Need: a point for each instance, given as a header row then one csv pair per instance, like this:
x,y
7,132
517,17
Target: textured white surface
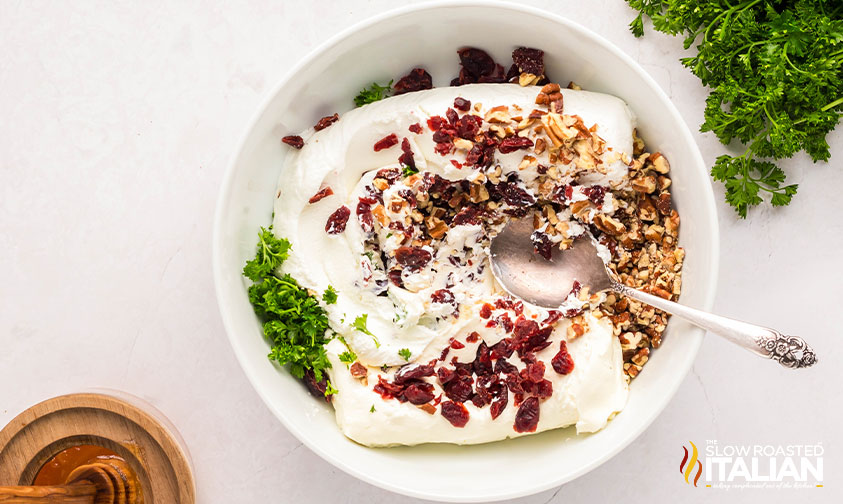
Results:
x,y
118,121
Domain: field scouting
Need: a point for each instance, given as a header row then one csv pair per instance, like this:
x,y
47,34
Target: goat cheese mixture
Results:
x,y
394,206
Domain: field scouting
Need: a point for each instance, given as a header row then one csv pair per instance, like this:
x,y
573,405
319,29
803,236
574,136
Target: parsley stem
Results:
x,y
832,104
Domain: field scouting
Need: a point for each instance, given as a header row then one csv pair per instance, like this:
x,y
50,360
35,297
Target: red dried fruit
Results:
x,y
387,390
419,393
542,244
529,60
337,221
322,193
543,389
412,372
475,63
575,288
535,371
416,128
461,103
459,389
562,362
527,418
407,154
483,152
452,116
456,345
469,214
386,142
443,296
552,317
412,258
482,360
395,278
514,143
514,195
596,194
436,123
326,121
358,370
364,213
486,311
455,413
505,322
389,174
293,141
499,402
445,375
473,337
467,126
317,388
443,148
417,80
502,366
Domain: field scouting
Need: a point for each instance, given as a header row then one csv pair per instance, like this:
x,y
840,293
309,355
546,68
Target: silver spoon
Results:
x,y
531,277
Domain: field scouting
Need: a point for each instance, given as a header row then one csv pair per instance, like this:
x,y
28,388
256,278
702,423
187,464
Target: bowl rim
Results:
x,y
228,180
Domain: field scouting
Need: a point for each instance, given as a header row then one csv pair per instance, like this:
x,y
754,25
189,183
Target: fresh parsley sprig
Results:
x,y
775,70
373,93
293,321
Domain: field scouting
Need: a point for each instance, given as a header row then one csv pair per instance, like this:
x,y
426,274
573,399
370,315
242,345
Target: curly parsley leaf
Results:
x,y
330,295
373,93
348,357
405,354
293,321
271,252
775,71
407,170
360,325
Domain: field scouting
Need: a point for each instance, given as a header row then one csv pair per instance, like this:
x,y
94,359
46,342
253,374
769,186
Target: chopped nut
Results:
x,y
462,143
654,232
660,163
358,370
541,145
428,408
498,115
645,184
609,225
527,79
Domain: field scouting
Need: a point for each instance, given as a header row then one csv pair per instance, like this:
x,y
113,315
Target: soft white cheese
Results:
x,y
342,157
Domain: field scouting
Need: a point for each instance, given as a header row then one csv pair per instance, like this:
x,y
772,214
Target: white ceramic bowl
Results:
x,y
387,47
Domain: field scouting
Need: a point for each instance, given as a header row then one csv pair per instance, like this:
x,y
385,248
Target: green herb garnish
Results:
x,y
360,324
292,319
373,93
372,410
408,170
775,70
330,295
405,354
348,357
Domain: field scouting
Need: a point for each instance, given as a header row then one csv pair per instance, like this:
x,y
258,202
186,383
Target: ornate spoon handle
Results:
x,y
789,351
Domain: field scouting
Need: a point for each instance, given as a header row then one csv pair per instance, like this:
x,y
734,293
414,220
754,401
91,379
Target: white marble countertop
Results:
x,y
118,121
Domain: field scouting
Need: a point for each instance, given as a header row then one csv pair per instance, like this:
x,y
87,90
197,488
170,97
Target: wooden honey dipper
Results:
x,y
106,481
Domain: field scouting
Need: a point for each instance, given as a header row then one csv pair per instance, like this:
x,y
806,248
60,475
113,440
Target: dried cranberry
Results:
x,y
473,337
461,103
496,76
456,345
475,63
562,362
412,372
326,121
575,288
337,221
317,388
596,194
515,196
459,389
482,360
455,413
389,174
499,403
386,142
442,296
529,60
486,311
293,141
386,389
514,143
322,193
419,393
443,148
407,154
541,169
505,322
524,328
527,418
395,278
445,375
452,116
543,389
541,244
415,128
417,80
467,126
535,371
364,214
436,123
483,152
467,215
552,317
502,366
412,258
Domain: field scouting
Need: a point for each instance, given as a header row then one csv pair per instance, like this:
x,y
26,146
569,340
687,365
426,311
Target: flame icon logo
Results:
x,y
687,466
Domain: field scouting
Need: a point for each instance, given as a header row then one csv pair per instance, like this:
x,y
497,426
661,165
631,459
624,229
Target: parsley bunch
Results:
x,y
374,93
775,70
293,320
